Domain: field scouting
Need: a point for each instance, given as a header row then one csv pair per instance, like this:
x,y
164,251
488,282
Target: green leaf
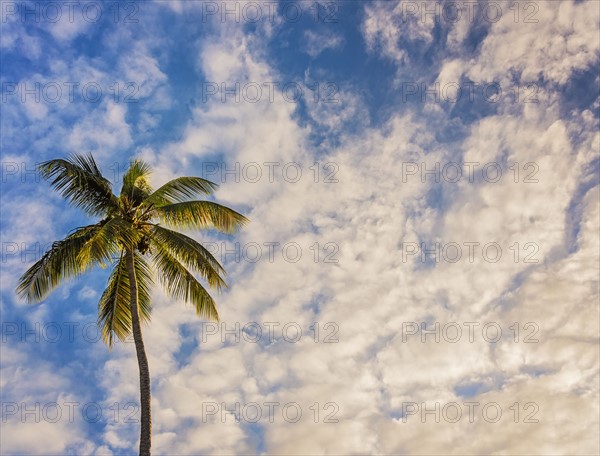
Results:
x,y
135,182
181,284
114,311
181,189
79,180
200,215
59,263
108,241
190,252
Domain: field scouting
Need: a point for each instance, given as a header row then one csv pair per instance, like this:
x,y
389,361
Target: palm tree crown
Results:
x,y
137,221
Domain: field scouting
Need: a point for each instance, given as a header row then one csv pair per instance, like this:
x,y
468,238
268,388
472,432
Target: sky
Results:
x,y
420,273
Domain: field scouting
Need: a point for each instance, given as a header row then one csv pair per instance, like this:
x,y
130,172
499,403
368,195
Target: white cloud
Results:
x,y
67,27
317,42
387,28
565,28
143,71
87,293
36,402
560,42
104,132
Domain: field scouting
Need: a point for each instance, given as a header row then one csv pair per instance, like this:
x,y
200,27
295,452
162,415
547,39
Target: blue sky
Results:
x,y
434,166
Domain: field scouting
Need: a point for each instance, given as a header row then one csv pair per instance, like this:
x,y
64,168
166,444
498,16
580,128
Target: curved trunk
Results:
x,y
146,425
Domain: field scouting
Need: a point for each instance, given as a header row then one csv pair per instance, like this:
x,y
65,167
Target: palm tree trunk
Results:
x,y
146,425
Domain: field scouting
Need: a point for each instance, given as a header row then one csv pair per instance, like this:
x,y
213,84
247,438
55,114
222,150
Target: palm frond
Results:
x,y
135,182
191,253
114,314
79,180
60,262
200,215
106,242
114,311
181,189
181,284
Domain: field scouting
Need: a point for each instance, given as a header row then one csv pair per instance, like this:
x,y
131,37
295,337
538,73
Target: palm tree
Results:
x,y
134,235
